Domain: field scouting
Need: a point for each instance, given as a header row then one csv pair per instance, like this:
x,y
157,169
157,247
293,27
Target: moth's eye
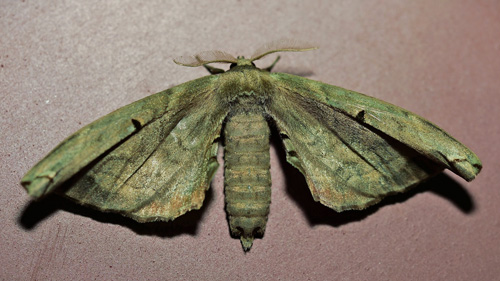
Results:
x,y
232,65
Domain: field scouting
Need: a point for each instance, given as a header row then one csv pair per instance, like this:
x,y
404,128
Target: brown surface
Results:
x,y
63,64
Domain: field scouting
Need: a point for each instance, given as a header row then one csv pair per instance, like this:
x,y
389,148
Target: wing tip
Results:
x,y
468,170
39,184
37,187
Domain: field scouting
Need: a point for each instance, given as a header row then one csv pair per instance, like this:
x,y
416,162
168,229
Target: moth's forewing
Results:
x,y
353,149
157,169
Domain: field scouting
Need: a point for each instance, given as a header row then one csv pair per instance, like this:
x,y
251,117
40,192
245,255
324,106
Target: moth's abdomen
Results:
x,y
246,176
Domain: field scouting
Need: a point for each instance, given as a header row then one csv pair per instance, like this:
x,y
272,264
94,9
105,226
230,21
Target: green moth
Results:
x,y
155,158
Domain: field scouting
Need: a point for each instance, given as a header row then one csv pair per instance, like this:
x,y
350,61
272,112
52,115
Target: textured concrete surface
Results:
x,y
63,64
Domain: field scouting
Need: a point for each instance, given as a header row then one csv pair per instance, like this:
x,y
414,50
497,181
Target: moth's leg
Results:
x,y
269,68
213,70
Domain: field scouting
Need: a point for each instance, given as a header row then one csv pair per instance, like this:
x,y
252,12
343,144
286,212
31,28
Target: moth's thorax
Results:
x,y
246,85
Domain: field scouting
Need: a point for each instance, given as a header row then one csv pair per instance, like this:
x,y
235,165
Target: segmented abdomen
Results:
x,y
247,177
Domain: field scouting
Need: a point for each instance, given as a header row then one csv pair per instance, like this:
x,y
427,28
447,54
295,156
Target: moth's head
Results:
x,y
242,61
204,58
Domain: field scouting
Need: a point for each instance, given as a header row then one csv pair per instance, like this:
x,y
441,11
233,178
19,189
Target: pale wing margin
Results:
x,y
350,163
147,121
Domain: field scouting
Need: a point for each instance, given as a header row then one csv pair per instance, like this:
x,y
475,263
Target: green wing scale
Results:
x,y
353,149
153,166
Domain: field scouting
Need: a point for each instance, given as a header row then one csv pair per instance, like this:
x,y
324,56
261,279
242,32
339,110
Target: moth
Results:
x,y
154,159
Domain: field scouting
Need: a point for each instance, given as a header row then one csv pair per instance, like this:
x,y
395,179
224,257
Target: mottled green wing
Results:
x,y
353,149
150,160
